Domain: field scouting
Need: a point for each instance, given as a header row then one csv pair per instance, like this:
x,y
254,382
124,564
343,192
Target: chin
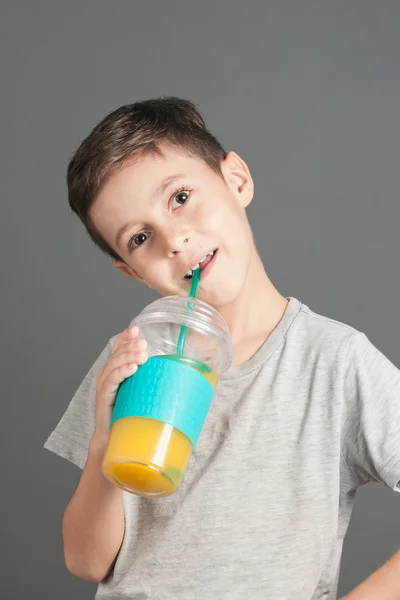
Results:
x,y
220,298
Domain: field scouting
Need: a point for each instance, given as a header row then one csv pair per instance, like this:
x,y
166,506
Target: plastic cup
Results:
x,y
160,410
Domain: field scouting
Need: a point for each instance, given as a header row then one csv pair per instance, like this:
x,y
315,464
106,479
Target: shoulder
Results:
x,y
322,336
323,333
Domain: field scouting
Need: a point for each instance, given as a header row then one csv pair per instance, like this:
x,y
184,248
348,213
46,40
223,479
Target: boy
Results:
x,y
307,413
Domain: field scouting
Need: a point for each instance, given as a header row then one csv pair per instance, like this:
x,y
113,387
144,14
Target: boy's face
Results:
x,y
163,214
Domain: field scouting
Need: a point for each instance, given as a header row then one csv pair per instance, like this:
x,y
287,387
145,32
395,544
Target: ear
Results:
x,y
122,266
238,178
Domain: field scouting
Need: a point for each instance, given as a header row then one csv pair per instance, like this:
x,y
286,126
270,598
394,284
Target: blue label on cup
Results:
x,y
167,391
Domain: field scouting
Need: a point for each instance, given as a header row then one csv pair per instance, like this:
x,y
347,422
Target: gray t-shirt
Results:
x,y
270,487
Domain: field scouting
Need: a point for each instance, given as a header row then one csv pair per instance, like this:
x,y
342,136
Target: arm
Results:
x,y
93,523
384,584
372,442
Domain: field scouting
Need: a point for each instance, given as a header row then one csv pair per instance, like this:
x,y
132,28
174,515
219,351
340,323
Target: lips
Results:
x,y
205,262
200,262
210,265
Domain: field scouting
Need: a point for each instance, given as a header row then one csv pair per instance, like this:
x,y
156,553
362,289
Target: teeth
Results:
x,y
204,257
190,272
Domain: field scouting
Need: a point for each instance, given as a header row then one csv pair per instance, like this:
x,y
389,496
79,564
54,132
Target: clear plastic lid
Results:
x,y
208,338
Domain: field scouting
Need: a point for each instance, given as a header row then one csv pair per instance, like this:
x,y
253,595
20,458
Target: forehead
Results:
x,y
142,174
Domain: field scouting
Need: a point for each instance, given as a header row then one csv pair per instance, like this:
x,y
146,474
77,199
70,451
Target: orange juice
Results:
x,y
161,453
146,456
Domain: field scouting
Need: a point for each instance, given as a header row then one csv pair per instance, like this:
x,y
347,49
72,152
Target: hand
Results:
x,y
128,352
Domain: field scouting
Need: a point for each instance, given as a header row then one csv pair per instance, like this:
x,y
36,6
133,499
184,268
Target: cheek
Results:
x,y
146,267
229,222
154,271
158,273
218,215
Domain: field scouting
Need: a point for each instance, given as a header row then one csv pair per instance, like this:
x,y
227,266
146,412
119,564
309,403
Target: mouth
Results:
x,y
202,264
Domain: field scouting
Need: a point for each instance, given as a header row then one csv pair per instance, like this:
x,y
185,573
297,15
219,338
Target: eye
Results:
x,y
180,197
138,240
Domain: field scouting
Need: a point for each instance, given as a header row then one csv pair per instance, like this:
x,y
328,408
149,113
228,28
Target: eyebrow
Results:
x,y
159,191
164,184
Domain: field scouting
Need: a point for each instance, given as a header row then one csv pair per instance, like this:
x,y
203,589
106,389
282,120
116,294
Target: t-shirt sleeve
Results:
x,y
371,439
70,439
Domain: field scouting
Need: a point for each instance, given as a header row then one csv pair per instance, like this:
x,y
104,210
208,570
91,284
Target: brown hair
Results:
x,y
135,129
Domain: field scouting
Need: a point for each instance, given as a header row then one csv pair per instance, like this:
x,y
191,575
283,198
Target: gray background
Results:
x,y
307,92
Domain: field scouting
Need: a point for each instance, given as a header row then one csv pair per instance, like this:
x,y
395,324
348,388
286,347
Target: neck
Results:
x,y
254,314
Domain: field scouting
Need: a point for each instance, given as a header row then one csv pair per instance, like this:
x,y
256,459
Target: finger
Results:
x,y
134,345
127,335
123,366
130,352
117,376
109,386
119,360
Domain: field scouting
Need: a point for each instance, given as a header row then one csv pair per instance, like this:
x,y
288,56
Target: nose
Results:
x,y
174,240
